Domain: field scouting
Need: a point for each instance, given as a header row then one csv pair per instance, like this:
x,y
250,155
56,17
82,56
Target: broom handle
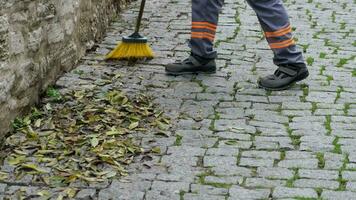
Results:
x,y
138,24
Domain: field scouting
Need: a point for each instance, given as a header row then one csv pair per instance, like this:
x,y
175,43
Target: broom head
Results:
x,y
132,47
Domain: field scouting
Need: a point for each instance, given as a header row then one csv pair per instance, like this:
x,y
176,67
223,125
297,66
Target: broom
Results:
x,y
134,46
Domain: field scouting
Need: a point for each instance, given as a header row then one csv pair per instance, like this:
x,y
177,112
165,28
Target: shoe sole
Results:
x,y
299,78
186,73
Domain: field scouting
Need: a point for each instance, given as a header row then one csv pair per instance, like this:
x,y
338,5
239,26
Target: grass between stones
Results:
x,y
327,125
314,107
346,108
339,90
337,146
181,194
321,160
304,198
310,61
295,138
178,141
342,182
290,181
305,89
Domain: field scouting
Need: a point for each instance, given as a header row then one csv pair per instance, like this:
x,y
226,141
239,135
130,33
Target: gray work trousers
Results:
x,y
272,16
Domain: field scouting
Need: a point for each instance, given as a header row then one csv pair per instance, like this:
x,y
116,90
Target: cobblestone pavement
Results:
x,y
230,139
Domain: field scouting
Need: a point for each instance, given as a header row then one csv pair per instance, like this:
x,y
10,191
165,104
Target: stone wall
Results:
x,y
41,39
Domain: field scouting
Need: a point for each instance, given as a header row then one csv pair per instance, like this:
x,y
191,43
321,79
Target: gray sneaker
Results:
x,y
284,77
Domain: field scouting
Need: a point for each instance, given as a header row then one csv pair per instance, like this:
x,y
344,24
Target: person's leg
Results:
x,y
205,14
275,23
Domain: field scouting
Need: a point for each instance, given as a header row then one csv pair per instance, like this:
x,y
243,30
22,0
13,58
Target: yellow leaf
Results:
x,y
38,123
156,150
44,193
20,152
60,197
15,161
114,131
71,192
3,176
34,167
110,174
94,142
133,125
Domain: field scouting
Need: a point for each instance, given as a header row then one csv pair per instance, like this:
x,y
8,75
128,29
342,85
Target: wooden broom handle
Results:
x,y
139,19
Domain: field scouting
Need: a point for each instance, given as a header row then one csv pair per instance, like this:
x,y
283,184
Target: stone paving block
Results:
x,y
265,106
181,160
223,151
336,195
231,113
284,192
275,173
208,190
262,154
266,145
352,158
299,155
349,175
264,183
256,162
203,143
333,161
214,161
351,186
299,163
318,174
316,183
231,125
234,135
240,193
170,187
161,195
224,180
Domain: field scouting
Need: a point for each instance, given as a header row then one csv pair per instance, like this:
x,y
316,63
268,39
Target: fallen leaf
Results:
x,y
133,125
94,142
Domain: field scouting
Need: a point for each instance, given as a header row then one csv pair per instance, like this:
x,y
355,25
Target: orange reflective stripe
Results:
x,y
200,35
204,33
278,33
204,27
204,23
283,44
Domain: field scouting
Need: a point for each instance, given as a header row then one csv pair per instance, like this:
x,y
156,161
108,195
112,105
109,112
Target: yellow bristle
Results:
x,y
126,50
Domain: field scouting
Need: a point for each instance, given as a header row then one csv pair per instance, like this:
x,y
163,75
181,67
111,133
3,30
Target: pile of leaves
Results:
x,y
81,136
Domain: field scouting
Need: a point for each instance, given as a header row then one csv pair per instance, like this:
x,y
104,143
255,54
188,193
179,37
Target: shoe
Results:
x,y
191,65
284,77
